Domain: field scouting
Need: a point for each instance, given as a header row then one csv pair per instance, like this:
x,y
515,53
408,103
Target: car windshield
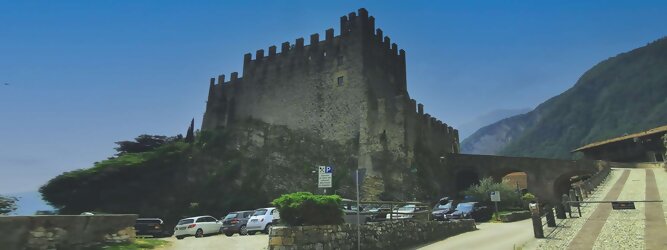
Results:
x,y
144,221
464,207
230,216
260,212
443,207
185,221
408,208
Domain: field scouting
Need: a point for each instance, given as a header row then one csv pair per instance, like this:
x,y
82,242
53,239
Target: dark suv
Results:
x,y
235,222
471,210
152,226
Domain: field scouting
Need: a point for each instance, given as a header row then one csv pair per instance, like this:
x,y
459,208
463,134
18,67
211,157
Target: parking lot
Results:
x,y
220,241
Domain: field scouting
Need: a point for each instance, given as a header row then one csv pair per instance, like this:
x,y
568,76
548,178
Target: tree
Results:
x,y
190,135
7,204
143,143
509,198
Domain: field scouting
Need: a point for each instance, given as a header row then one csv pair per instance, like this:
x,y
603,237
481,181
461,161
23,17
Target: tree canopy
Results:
x,y
144,143
7,204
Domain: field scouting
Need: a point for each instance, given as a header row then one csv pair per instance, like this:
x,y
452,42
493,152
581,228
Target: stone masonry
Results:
x,y
385,235
64,231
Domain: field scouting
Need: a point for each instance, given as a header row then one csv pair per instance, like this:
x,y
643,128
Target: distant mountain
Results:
x,y
623,94
490,139
466,129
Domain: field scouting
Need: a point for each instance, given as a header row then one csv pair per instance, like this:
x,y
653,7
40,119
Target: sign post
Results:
x,y
358,211
495,197
325,177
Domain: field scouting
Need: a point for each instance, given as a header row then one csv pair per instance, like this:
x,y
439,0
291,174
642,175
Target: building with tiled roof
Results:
x,y
645,146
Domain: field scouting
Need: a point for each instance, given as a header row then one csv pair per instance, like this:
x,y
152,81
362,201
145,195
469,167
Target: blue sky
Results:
x,y
84,74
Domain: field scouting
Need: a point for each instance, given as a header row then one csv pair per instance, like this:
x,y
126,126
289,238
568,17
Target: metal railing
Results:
x,y
546,221
420,210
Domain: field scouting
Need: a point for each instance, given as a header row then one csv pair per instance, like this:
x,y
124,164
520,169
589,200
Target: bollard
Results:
x,y
578,207
560,211
551,221
566,205
537,220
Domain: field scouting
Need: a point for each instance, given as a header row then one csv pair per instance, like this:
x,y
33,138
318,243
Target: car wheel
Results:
x,y
267,229
243,230
252,232
199,233
179,237
229,234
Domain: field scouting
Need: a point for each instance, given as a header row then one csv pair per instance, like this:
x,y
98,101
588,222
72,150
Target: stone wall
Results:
x,y
514,216
383,235
64,231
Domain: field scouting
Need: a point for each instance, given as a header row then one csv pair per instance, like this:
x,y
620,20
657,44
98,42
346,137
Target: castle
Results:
x,y
347,87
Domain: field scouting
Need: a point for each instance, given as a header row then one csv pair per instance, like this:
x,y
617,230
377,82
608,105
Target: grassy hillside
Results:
x,y
623,94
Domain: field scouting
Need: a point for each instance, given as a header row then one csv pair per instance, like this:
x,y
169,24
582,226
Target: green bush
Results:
x,y
305,208
528,197
509,198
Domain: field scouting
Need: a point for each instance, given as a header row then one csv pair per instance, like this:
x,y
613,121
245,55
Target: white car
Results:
x,y
404,212
262,220
197,226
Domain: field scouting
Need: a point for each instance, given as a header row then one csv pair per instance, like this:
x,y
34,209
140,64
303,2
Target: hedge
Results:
x,y
305,208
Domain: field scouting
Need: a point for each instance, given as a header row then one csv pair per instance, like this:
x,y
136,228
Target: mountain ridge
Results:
x,y
631,86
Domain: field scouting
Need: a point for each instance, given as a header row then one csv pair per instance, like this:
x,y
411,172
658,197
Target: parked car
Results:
x,y
379,212
262,220
236,222
404,212
350,216
471,210
441,210
151,226
197,226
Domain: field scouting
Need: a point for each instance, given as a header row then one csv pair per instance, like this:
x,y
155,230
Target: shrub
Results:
x,y
305,208
509,198
528,197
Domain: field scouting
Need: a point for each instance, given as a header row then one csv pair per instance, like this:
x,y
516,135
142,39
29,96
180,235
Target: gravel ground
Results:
x,y
625,228
216,242
661,181
560,238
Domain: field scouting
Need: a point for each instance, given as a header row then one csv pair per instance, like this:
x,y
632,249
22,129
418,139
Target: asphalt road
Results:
x,y
250,242
497,236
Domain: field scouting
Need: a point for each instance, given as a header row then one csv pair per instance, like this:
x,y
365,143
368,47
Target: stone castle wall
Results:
x,y
350,86
397,234
65,231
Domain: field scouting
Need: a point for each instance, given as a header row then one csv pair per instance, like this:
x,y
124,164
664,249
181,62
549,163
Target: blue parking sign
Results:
x,y
328,169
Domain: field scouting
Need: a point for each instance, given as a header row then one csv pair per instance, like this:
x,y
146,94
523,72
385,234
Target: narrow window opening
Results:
x,y
340,81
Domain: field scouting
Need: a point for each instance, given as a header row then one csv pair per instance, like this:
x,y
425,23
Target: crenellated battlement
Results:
x,y
354,27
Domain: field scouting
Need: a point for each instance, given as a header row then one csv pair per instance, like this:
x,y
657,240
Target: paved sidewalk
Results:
x,y
500,236
603,228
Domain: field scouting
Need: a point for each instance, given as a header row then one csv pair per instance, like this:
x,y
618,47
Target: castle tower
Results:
x,y
347,87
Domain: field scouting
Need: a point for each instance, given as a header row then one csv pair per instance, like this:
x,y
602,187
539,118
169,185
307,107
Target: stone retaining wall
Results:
x,y
380,235
514,216
64,231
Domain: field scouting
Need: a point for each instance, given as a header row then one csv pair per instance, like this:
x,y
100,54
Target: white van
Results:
x,y
262,220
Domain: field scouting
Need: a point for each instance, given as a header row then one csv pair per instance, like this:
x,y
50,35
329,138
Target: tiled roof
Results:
x,y
661,129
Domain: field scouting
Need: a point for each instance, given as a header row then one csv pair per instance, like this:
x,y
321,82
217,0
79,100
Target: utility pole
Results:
x,y
358,213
